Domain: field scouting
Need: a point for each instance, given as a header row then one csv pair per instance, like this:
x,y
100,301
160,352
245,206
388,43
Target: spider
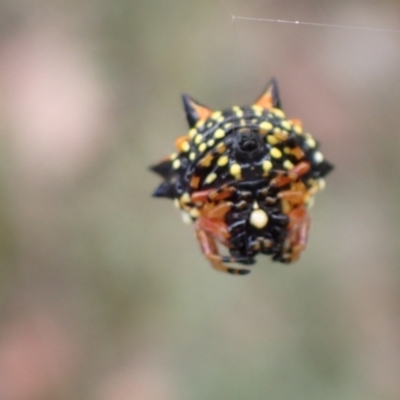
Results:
x,y
245,177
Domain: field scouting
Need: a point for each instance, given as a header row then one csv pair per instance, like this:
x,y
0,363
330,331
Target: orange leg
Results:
x,y
298,231
207,232
212,211
293,196
224,192
215,227
210,250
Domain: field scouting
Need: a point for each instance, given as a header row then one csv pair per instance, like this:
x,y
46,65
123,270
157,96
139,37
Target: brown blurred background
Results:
x,y
104,293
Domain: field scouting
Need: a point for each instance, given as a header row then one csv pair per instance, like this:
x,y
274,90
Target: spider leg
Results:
x,y
212,211
292,196
210,250
223,192
298,231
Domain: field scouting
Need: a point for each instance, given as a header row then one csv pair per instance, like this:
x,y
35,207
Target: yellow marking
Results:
x,y
286,125
198,138
186,218
277,130
238,111
211,143
267,126
258,110
209,124
221,148
192,156
219,133
202,147
279,113
318,157
185,198
173,156
176,164
256,107
298,153
222,161
195,181
276,153
321,184
272,140
287,150
310,202
281,135
176,203
311,142
235,170
288,164
207,160
185,146
258,218
210,178
298,129
267,165
216,115
194,212
228,125
192,133
254,121
255,206
200,123
242,122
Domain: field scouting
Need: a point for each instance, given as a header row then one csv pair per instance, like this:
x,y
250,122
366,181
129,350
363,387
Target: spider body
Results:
x,y
246,177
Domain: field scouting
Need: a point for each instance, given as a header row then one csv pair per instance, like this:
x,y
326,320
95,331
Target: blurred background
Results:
x,y
104,294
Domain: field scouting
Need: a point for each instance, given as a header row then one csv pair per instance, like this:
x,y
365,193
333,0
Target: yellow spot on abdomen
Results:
x,y
210,178
192,133
267,165
211,143
194,212
275,152
216,115
272,140
311,142
185,198
176,164
185,146
202,147
235,170
266,126
222,161
238,111
198,138
219,133
258,110
288,164
279,113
